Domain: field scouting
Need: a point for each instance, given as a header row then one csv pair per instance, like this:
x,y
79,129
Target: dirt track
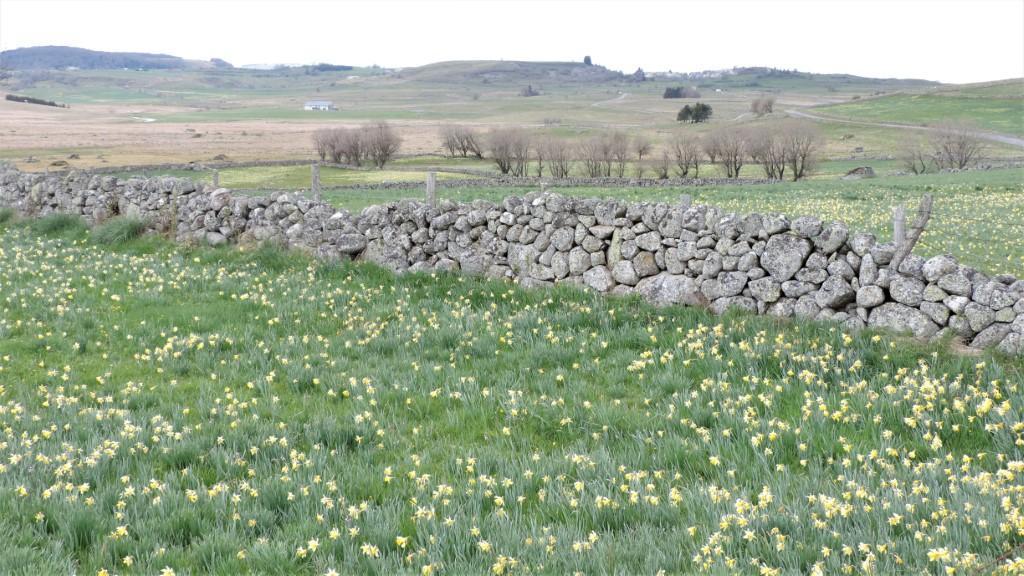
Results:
x,y
991,136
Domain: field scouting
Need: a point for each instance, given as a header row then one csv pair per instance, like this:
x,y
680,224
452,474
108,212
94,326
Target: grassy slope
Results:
x,y
231,410
995,107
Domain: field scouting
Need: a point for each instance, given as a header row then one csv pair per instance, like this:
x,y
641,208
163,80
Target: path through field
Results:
x,y
618,98
992,136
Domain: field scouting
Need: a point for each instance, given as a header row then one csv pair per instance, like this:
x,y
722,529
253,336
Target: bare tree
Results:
x,y
768,148
730,147
762,105
499,142
662,166
712,147
510,149
322,143
686,152
801,141
449,139
460,140
381,143
595,153
335,144
521,154
469,142
956,146
618,151
916,157
353,146
540,153
641,147
559,157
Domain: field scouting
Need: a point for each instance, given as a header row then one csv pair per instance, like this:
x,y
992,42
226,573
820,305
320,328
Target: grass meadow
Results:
x,y
1004,113
170,410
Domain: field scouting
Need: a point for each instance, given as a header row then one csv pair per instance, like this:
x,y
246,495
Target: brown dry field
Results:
x,y
101,136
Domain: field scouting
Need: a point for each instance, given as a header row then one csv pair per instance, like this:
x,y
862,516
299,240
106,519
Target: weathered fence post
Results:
x,y
432,189
904,248
216,178
685,201
316,181
899,226
543,187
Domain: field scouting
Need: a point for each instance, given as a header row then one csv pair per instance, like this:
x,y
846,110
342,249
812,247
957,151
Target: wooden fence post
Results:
x,y
899,226
909,239
216,178
685,201
316,181
432,189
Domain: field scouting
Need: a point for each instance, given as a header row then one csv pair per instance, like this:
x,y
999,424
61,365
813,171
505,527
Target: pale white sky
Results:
x,y
946,40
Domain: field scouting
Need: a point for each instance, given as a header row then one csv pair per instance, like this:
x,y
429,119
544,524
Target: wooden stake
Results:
x,y
924,213
432,189
316,181
899,226
685,201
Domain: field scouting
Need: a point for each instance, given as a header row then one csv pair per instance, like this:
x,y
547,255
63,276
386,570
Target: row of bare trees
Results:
x,y
513,150
787,149
375,144
949,146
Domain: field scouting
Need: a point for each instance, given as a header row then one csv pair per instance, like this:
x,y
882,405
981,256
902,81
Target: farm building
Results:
x,y
323,105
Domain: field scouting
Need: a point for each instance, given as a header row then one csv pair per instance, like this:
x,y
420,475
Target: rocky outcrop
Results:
x,y
669,254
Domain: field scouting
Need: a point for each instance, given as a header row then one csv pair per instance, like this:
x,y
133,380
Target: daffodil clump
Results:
x,y
189,411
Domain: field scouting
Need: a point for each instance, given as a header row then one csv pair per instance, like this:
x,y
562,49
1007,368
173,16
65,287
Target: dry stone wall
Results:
x,y
697,256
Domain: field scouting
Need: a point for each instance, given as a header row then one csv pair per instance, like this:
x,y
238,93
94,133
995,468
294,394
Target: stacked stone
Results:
x,y
697,256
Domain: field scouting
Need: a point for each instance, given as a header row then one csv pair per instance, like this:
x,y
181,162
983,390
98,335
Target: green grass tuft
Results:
x,y
58,225
6,215
119,230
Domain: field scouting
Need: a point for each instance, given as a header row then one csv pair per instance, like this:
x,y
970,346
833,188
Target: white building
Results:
x,y
323,105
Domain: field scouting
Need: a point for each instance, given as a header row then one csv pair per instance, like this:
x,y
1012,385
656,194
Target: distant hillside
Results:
x,y
778,80
62,57
992,106
511,71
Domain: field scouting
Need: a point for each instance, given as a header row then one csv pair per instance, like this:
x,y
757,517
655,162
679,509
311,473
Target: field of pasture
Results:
x,y
997,107
191,410
154,117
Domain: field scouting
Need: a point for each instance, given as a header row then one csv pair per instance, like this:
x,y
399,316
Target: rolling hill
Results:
x,y
506,71
64,57
992,106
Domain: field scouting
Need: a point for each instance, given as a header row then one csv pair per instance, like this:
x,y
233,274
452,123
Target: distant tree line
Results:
x,y
681,92
323,67
31,100
375,144
787,149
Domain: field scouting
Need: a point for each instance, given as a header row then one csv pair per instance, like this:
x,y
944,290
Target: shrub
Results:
x,y
119,230
58,225
6,215
699,112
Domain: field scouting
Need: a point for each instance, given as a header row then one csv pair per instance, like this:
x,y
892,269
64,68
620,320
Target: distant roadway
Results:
x,y
992,136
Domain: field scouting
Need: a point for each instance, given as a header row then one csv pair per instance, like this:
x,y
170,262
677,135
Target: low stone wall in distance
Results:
x,y
669,254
